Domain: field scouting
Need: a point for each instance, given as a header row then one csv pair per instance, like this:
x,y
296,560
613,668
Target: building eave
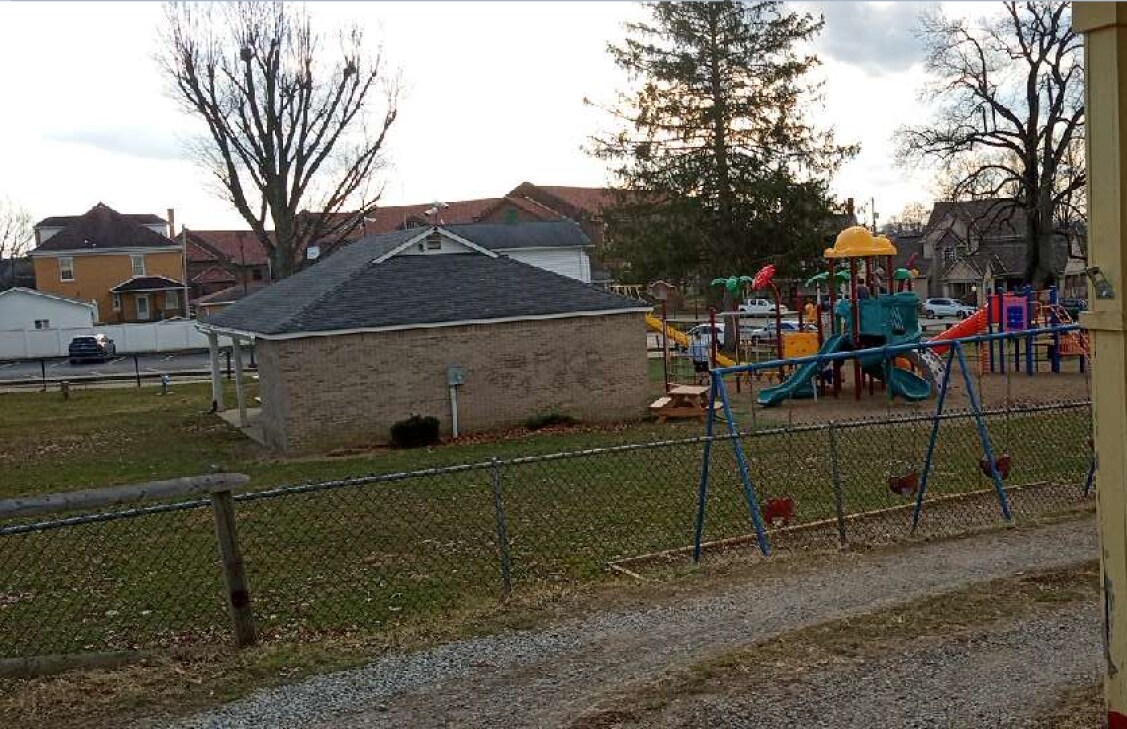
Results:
x,y
204,326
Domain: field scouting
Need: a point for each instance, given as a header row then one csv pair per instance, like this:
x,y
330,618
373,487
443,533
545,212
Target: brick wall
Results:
x,y
96,274
323,392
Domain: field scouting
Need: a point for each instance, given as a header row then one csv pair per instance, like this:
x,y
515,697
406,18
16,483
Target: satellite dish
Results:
x,y
313,252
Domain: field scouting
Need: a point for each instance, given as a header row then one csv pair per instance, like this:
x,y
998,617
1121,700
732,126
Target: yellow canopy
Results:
x,y
858,242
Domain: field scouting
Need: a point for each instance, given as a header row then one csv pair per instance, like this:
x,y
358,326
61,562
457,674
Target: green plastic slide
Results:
x,y
800,384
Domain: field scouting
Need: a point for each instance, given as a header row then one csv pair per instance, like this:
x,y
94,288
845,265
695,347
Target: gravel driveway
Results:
x,y
549,677
990,679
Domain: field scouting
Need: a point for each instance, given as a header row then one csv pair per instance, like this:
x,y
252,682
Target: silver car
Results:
x,y
946,307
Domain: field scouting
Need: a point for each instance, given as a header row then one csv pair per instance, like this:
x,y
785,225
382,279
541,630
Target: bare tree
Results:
x,y
15,230
291,139
1009,94
911,219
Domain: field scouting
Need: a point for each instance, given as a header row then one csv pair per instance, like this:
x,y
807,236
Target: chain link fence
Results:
x,y
361,555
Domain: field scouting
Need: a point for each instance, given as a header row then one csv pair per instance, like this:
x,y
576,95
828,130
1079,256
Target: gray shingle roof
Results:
x,y
348,291
506,236
104,227
147,283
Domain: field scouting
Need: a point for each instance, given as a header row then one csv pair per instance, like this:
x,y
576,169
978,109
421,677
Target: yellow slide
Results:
x,y
681,338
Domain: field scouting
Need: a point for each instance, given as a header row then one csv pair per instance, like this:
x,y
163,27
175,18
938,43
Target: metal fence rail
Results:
x,y
366,553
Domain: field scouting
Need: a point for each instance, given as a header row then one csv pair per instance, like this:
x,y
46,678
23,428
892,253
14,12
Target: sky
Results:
x,y
493,96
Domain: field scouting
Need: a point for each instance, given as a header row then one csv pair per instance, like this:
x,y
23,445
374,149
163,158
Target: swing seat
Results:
x,y
905,485
1002,463
778,511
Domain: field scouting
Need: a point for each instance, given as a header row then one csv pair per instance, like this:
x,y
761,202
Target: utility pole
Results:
x,y
1104,26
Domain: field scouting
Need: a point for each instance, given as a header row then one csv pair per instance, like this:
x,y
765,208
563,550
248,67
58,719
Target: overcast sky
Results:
x,y
494,97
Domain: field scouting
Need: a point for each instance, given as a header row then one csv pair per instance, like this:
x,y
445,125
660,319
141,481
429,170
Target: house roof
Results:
x,y
386,219
104,227
199,254
510,236
213,274
986,217
147,283
349,292
582,200
232,294
62,221
236,246
44,294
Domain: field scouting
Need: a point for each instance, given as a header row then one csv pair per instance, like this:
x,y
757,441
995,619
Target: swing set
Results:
x,y
994,466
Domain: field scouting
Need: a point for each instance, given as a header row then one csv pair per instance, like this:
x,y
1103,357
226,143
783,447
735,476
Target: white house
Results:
x,y
559,246
23,309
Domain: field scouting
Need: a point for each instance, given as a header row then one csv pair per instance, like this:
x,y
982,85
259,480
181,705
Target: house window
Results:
x,y
142,306
171,300
42,323
951,254
138,261
117,302
66,268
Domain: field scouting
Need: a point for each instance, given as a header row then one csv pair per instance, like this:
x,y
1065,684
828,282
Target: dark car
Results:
x,y
91,348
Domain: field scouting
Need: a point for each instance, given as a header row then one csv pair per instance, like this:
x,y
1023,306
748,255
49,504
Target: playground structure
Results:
x,y
868,318
878,332
994,465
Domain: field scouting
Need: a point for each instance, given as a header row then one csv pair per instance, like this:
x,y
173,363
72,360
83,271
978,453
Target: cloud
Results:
x,y
143,142
877,37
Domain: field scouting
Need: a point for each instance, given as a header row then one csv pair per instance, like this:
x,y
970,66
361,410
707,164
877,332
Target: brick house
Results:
x,y
222,259
369,336
126,264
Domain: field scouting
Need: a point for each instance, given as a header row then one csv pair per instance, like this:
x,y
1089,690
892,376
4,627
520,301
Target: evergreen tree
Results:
x,y
718,166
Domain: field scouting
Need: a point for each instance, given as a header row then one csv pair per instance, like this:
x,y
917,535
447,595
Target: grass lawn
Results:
x,y
360,559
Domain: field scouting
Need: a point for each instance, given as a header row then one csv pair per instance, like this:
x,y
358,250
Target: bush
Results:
x,y
537,422
415,432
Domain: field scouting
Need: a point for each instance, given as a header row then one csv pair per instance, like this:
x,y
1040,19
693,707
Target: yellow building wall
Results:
x,y
95,275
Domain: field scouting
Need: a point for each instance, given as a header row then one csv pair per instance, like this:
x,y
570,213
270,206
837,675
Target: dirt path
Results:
x,y
548,678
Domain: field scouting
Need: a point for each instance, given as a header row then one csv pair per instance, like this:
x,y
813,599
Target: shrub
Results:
x,y
544,420
415,432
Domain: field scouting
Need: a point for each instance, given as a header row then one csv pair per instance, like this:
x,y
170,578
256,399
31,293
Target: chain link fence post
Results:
x,y
238,594
502,527
835,477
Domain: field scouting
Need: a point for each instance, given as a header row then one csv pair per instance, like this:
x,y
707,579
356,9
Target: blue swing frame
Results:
x,y
718,390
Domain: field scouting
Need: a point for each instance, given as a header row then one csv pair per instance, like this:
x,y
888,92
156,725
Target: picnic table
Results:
x,y
682,401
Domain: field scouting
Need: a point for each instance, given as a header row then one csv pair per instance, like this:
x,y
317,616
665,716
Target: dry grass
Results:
x,y
855,639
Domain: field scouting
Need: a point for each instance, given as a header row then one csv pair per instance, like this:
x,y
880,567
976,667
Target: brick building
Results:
x,y
126,264
368,337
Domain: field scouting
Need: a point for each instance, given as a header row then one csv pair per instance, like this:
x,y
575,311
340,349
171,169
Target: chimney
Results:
x,y
172,223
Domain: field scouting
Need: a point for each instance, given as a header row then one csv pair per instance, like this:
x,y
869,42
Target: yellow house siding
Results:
x,y
95,275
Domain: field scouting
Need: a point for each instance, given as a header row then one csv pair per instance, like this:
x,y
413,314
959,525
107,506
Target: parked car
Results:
x,y
767,333
1074,307
91,348
933,308
761,307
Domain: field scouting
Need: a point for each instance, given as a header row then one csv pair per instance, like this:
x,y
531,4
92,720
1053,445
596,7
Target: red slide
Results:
x,y
973,324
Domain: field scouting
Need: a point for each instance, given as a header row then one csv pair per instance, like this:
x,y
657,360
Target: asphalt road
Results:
x,y
148,364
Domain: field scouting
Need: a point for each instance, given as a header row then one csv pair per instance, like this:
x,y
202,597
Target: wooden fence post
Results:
x,y
238,594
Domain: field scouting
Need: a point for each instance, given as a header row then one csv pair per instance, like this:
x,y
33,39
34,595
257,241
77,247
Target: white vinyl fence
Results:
x,y
165,336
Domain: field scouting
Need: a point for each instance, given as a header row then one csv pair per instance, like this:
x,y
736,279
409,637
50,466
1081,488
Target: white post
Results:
x,y
454,410
240,393
216,374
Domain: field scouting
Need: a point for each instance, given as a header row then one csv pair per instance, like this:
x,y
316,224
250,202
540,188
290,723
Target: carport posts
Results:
x,y
216,374
240,389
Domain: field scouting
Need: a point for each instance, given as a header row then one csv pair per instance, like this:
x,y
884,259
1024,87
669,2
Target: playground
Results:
x,y
1018,347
